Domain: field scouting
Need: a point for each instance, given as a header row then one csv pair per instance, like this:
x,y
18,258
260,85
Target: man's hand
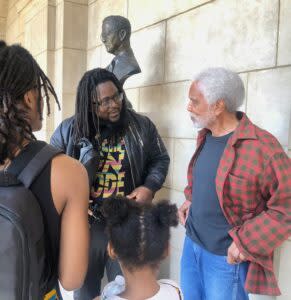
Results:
x,y
233,255
184,211
141,194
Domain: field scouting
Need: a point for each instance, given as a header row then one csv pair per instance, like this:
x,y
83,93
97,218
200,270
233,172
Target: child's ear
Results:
x,y
27,99
166,252
111,251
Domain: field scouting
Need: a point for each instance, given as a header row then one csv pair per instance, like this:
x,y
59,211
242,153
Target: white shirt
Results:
x,y
168,290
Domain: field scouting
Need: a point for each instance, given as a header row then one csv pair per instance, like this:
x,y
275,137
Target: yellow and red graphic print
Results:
x,y
110,176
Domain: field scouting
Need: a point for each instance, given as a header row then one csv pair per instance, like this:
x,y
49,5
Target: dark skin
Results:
x,y
107,91
70,197
219,121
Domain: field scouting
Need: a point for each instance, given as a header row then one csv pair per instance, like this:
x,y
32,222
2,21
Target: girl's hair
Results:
x,y
139,233
19,73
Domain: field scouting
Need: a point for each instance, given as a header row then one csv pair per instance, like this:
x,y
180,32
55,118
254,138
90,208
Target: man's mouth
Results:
x,y
114,114
193,117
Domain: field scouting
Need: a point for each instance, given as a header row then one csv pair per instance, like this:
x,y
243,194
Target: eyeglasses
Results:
x,y
105,102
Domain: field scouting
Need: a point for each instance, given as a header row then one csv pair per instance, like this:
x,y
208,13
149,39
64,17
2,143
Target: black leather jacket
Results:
x,y
148,157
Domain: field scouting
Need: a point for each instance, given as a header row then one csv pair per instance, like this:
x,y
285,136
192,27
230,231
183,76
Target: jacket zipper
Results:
x,y
129,160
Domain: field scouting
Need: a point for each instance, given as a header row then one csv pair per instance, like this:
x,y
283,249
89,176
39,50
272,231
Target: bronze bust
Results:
x,y
116,31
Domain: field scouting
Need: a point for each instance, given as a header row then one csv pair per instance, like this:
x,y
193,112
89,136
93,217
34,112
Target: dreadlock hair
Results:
x,y
87,123
139,233
19,73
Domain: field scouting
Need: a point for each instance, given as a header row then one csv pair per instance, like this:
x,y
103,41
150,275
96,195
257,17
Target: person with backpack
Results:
x,y
43,193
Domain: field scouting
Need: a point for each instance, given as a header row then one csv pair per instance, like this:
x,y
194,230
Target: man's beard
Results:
x,y
114,131
202,122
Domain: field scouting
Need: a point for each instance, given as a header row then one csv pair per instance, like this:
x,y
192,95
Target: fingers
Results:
x,y
182,216
231,259
235,257
233,254
242,257
132,195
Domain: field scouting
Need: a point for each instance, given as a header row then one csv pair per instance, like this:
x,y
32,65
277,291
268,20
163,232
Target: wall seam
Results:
x,y
173,16
278,32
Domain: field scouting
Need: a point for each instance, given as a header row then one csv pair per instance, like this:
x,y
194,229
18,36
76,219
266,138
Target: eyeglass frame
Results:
x,y
105,102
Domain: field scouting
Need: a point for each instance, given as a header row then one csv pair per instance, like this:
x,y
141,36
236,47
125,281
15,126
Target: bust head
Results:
x,y
115,34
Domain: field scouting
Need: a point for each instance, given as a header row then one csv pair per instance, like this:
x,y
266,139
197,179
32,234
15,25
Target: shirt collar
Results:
x,y
244,131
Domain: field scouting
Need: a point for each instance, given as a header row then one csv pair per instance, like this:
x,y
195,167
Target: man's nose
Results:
x,y
189,106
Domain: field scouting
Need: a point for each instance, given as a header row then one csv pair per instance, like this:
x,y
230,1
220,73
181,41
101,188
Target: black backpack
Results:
x,y
23,265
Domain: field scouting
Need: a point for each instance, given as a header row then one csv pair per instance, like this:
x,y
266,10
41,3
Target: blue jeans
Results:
x,y
206,276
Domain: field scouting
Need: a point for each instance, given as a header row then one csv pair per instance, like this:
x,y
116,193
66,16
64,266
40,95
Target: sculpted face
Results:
x,y
110,38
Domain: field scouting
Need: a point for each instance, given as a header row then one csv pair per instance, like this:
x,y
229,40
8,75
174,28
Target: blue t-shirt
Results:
x,y
206,224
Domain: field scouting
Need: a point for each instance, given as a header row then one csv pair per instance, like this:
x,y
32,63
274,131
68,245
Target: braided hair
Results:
x,y
19,73
139,233
87,123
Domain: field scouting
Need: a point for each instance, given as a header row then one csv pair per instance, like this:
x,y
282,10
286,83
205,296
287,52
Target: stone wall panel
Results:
x,y
269,94
145,13
241,35
68,105
3,8
94,58
284,271
169,144
59,37
51,32
183,149
12,32
75,26
149,48
36,38
2,28
166,106
74,66
284,45
133,96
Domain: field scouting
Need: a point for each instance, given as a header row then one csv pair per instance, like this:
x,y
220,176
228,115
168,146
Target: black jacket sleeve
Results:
x,y
62,137
157,161
57,139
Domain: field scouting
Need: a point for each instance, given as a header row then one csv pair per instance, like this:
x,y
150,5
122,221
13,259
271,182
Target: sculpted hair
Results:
x,y
220,83
19,73
118,23
139,233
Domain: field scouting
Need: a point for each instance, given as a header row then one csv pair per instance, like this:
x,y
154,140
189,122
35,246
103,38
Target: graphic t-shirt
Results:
x,y
113,175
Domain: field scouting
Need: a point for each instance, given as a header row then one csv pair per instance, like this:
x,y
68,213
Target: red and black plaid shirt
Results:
x,y
253,184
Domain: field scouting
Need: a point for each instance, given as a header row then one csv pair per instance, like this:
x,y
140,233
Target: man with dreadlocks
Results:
x,y
123,153
61,189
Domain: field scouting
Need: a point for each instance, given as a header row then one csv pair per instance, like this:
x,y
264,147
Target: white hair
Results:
x,y
220,83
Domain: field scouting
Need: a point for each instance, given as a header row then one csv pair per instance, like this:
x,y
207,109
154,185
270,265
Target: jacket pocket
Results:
x,y
243,193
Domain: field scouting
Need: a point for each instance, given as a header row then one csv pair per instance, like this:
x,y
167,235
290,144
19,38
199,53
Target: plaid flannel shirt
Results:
x,y
253,184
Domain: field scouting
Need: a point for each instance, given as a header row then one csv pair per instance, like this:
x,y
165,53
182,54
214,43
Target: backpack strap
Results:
x,y
36,164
